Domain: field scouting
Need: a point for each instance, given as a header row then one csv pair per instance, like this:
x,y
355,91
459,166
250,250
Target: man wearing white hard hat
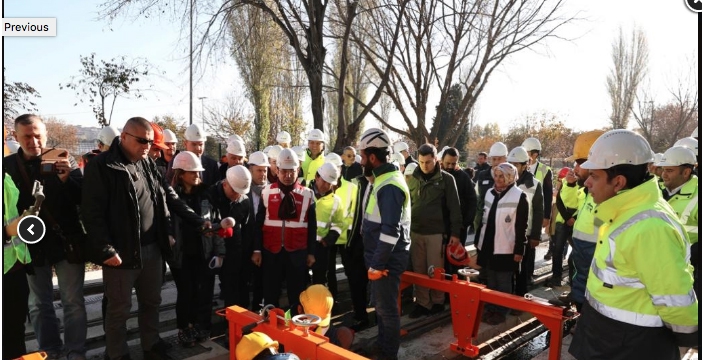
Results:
x,y
285,232
272,155
692,144
230,200
542,173
258,164
640,285
329,216
284,139
195,142
170,141
106,136
498,154
682,191
403,148
235,155
314,155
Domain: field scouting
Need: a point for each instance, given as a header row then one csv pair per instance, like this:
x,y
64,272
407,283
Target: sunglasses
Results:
x,y
140,140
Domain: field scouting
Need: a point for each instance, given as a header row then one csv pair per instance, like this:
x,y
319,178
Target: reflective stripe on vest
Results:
x,y
504,235
372,212
609,275
530,193
541,171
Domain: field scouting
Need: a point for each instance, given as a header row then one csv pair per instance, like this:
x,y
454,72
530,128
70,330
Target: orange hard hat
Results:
x,y
158,136
457,255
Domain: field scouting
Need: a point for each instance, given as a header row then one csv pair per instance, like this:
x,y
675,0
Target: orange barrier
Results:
x,y
305,344
34,356
466,302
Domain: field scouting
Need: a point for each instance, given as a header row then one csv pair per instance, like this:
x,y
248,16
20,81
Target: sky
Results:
x,y
565,77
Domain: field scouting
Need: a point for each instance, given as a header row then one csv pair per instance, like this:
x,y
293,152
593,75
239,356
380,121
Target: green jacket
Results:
x,y
435,206
685,204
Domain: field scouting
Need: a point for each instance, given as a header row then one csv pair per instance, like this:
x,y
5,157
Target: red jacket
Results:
x,y
291,234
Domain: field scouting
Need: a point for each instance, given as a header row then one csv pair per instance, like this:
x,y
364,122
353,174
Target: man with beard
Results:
x,y
385,229
466,190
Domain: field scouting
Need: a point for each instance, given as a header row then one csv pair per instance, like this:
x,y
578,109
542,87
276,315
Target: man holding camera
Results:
x,y
59,249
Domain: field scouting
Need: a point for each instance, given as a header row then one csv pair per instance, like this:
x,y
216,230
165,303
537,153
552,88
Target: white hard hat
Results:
x,y
283,137
107,135
266,149
274,151
234,137
657,158
195,132
300,151
239,178
410,168
334,159
695,133
531,143
169,136
676,156
187,161
13,146
498,149
358,158
236,147
617,147
399,158
518,155
329,172
287,160
258,158
374,138
689,142
401,146
315,135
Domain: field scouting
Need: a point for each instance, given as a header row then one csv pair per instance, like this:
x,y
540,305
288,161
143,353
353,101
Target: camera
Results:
x,y
49,159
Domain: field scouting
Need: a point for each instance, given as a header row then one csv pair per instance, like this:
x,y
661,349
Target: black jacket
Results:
x,y
484,182
482,167
62,203
109,210
240,211
467,195
355,243
352,171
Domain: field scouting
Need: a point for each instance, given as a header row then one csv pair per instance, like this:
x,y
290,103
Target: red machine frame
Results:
x,y
466,303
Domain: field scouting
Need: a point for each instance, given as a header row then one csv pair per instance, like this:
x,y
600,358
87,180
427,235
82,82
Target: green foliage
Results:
x,y
104,81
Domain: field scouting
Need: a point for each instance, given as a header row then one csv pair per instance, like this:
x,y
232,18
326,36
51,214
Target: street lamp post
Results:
x,y
203,111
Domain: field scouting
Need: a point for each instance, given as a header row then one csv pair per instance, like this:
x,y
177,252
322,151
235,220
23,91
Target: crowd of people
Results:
x,y
139,203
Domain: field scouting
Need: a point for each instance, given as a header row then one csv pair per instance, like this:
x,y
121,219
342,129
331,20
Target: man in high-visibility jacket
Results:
x,y
681,191
385,230
542,173
314,157
640,299
329,217
285,232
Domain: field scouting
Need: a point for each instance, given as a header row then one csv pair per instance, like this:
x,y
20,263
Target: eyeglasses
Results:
x,y
140,140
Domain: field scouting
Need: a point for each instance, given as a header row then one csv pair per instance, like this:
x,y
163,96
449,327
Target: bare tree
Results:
x,y
230,118
630,60
61,135
444,42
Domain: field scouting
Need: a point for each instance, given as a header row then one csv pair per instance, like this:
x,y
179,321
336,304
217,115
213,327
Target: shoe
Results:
x,y
548,256
201,335
186,337
418,312
437,309
496,319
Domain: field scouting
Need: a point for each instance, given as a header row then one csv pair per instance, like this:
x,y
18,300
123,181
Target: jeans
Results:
x,y
581,256
147,282
41,307
386,292
563,233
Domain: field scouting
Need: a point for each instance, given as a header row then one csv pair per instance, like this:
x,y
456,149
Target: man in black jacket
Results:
x,y
466,191
62,188
350,169
126,216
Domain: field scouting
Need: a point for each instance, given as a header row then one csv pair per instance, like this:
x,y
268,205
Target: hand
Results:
x,y
571,178
310,260
63,168
570,222
11,228
113,261
546,222
256,258
518,258
534,243
373,274
454,240
172,241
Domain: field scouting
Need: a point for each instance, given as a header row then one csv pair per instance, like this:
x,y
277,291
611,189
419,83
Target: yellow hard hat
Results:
x,y
254,343
317,300
583,143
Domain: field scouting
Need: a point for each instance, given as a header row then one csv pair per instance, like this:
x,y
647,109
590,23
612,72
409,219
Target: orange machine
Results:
x,y
466,302
295,336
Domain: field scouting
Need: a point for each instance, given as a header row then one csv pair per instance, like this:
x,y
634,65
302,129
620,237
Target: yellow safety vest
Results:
x,y
15,249
640,273
347,191
541,171
329,215
310,166
685,204
372,213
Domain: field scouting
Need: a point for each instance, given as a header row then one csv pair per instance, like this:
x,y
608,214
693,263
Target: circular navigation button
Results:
x,y
31,229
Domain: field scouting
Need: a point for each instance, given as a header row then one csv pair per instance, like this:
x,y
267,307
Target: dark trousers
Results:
x,y
324,269
526,271
255,276
386,294
563,233
581,256
147,282
194,286
356,272
14,311
288,266
234,278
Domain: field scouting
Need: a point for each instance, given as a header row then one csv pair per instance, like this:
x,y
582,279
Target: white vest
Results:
x,y
529,197
505,218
